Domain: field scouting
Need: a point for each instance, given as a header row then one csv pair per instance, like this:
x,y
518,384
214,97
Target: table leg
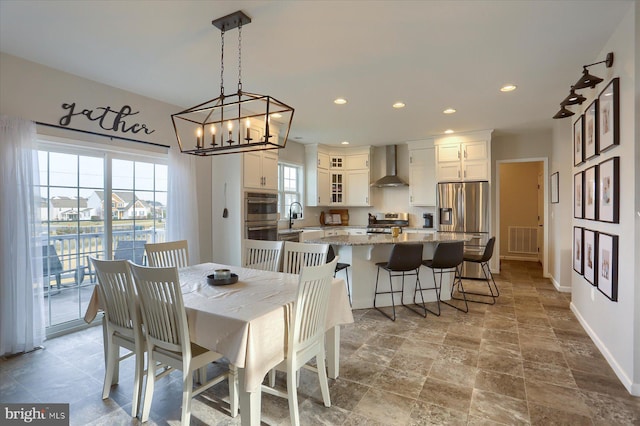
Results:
x,y
249,403
332,343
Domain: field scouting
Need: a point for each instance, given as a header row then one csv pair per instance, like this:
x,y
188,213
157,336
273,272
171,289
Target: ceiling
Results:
x,y
431,55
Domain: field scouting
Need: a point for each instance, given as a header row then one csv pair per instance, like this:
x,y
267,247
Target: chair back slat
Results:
x,y
299,255
168,254
263,255
310,306
117,294
162,307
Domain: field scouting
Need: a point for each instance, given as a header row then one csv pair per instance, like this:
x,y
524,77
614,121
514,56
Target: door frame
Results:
x,y
545,232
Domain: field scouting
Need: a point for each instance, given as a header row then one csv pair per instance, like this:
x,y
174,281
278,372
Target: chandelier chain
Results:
x,y
240,57
222,64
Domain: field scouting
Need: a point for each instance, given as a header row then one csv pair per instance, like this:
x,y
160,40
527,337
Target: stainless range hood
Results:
x,y
391,179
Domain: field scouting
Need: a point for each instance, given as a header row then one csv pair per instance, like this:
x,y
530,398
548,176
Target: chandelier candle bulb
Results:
x,y
213,135
198,136
248,127
230,127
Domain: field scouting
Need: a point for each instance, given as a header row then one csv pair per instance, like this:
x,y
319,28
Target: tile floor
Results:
x,y
525,360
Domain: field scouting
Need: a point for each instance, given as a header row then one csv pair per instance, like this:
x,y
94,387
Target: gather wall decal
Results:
x,y
106,117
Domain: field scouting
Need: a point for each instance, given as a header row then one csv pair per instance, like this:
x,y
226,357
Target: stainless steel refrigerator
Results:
x,y
464,207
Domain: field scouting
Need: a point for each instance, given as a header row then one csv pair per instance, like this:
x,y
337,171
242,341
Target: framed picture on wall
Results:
x,y
578,141
609,116
609,190
578,195
554,188
608,265
577,250
591,131
591,193
590,256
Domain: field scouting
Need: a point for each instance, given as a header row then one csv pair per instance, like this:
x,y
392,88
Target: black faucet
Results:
x,y
291,216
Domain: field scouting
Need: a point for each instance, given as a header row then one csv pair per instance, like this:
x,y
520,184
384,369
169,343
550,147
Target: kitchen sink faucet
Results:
x,y
291,215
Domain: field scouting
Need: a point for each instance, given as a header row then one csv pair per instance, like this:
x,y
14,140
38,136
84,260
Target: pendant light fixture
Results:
x,y
234,123
587,80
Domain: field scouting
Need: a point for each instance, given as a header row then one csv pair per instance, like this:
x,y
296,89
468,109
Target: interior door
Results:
x,y
540,238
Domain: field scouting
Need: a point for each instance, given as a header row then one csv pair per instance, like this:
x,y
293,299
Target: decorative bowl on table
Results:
x,y
222,277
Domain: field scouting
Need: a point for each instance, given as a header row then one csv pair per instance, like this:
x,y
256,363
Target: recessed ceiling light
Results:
x,y
448,131
345,142
276,115
340,101
449,111
399,105
508,88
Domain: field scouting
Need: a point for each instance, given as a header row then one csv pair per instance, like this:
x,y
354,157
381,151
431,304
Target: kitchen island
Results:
x,y
364,251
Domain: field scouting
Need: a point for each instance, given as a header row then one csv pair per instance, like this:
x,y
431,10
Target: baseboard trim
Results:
x,y
523,258
627,382
556,284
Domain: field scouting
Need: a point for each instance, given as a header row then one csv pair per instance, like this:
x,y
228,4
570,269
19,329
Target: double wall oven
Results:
x,y
261,216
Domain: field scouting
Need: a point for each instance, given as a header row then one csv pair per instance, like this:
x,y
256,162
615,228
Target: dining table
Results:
x,y
247,322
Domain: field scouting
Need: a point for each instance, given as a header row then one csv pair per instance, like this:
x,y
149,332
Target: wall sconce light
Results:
x,y
587,80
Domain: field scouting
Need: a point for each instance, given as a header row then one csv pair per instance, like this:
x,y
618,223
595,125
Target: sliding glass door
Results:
x,y
92,203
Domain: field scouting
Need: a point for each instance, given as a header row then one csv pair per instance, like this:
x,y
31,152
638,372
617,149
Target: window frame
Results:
x,y
283,208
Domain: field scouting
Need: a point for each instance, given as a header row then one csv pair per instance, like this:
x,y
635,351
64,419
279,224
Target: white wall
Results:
x,y
36,92
613,325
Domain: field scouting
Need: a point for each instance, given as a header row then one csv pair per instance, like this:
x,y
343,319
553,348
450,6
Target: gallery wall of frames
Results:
x,y
596,190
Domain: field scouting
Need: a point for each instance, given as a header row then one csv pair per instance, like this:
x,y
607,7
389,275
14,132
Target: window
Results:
x,y
289,187
93,203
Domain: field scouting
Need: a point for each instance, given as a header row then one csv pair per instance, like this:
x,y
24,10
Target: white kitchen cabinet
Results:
x,y
260,170
422,177
318,180
336,162
337,189
335,232
357,187
357,161
460,161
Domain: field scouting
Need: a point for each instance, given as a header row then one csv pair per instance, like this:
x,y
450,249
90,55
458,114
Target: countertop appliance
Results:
x,y
382,223
428,220
261,216
464,207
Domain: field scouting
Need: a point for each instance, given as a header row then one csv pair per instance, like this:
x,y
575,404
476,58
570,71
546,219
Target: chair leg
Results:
x,y
346,272
292,395
457,281
112,360
272,377
187,389
322,376
148,392
391,292
137,381
418,287
487,274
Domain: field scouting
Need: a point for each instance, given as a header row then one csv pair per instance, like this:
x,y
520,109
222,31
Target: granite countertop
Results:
x,y
375,239
319,228
290,230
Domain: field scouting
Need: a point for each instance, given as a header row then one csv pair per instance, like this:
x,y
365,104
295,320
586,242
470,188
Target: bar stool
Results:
x,y
447,258
339,267
405,259
483,259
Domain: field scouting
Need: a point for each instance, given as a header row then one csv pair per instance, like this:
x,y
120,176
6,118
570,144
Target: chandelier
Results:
x,y
234,123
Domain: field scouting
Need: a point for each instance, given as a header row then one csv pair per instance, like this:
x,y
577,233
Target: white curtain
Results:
x,y
21,286
182,202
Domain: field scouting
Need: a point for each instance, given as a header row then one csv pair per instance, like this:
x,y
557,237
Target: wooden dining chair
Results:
x,y
122,324
171,253
168,341
306,334
298,255
264,255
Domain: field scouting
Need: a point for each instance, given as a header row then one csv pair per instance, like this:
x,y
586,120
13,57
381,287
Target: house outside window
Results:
x,y
93,203
290,186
